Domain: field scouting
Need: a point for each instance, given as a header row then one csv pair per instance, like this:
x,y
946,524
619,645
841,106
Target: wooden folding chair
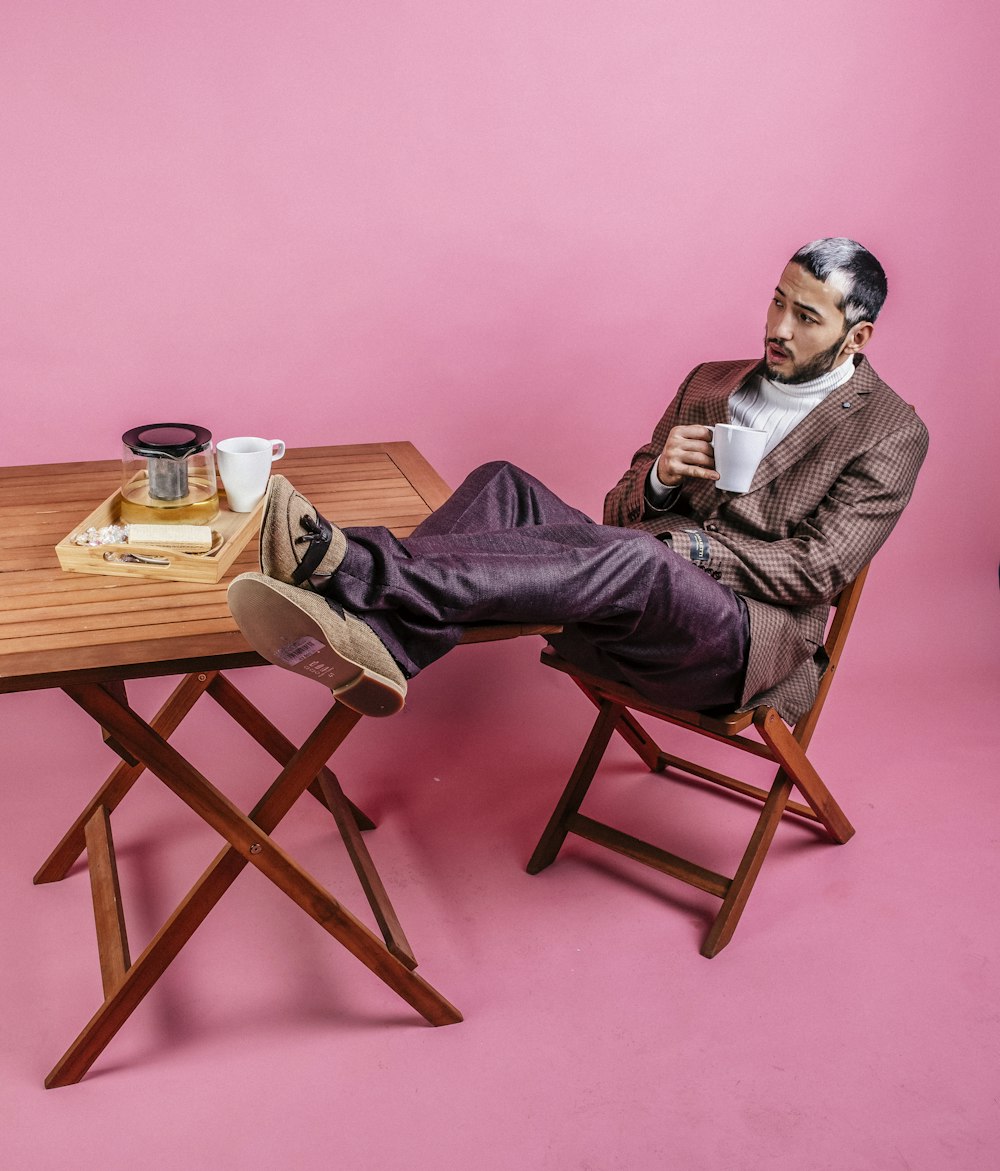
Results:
x,y
785,746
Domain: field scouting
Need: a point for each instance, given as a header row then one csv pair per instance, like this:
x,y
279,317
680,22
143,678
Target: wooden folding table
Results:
x,y
89,635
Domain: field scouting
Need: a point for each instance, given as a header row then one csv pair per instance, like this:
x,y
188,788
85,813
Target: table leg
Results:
x,y
347,816
115,788
249,841
236,705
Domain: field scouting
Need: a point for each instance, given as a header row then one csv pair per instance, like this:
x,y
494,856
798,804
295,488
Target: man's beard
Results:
x,y
820,364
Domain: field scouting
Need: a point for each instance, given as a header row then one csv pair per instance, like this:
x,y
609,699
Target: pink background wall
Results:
x,y
479,226
509,230
498,231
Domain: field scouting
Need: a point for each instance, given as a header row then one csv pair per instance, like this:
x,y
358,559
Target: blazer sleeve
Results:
x,y
828,548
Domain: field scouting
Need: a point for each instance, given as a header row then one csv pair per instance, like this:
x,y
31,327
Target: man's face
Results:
x,y
806,330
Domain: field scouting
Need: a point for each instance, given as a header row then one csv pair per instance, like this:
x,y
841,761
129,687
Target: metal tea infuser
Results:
x,y
168,475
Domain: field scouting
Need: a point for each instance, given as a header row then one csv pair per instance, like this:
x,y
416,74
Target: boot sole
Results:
x,y
282,632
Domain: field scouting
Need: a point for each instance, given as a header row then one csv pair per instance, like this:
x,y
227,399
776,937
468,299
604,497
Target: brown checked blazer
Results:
x,y
821,504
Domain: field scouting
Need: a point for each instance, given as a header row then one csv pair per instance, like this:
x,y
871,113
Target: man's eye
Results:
x,y
807,319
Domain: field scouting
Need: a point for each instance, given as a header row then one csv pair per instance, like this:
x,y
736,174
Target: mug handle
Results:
x,y
277,449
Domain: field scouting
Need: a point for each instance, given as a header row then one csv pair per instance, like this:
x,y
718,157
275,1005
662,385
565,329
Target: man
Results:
x,y
695,597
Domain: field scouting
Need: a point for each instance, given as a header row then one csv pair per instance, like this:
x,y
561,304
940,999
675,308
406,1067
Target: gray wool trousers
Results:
x,y
504,548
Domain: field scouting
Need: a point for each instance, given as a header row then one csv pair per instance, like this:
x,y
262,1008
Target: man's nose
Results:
x,y
783,327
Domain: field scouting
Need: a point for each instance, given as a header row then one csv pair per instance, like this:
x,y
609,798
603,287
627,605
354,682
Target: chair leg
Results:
x,y
796,772
795,763
753,858
631,731
641,743
555,832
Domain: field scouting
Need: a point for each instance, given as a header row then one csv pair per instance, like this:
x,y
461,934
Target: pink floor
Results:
x,y
852,1023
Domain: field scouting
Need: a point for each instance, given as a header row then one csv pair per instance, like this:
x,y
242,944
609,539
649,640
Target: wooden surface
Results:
x,y
58,627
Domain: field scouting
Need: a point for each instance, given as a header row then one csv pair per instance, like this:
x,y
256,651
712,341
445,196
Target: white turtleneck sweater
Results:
x,y
774,407
777,407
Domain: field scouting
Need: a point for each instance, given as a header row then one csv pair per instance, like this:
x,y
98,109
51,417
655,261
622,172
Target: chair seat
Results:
x,y
726,725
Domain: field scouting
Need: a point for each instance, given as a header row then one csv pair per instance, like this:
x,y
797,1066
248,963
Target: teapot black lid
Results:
x,y
168,440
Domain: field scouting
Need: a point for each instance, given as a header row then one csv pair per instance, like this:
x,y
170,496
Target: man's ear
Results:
x,y
857,337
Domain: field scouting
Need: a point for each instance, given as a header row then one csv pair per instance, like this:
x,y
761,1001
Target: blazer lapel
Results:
x,y
712,405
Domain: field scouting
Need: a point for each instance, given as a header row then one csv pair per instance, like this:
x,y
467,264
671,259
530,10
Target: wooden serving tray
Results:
x,y
234,528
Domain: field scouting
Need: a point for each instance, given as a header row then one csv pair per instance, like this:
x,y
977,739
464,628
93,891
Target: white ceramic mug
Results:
x,y
738,451
245,467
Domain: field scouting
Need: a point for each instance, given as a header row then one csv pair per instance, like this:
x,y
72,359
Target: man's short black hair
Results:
x,y
855,269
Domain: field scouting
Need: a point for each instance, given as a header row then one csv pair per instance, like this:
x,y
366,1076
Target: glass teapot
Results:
x,y
168,475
